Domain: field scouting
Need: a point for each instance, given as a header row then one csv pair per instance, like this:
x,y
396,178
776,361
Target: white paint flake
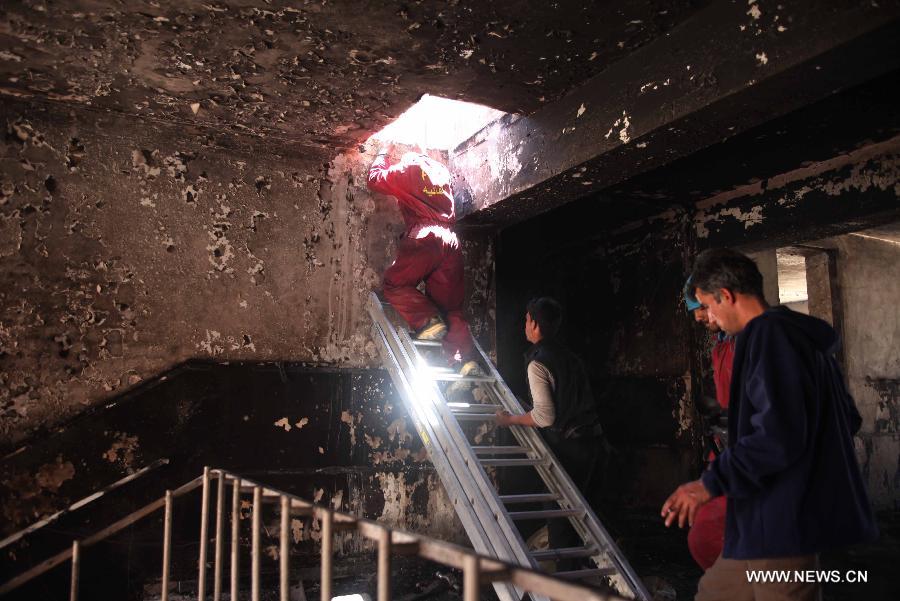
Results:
x,y
283,423
749,218
212,344
754,10
581,110
6,55
762,58
621,124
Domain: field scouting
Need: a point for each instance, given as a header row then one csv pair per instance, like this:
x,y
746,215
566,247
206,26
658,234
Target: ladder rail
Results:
x,y
466,503
474,464
430,439
587,526
470,461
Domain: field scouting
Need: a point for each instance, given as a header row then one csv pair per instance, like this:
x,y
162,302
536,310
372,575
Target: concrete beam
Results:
x,y
731,67
844,194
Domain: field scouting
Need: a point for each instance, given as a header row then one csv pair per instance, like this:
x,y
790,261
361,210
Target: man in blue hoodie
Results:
x,y
794,487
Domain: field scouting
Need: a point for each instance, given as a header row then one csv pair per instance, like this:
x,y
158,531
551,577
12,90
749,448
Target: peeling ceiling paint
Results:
x,y
321,75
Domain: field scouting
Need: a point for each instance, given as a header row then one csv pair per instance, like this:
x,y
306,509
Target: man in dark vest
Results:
x,y
563,408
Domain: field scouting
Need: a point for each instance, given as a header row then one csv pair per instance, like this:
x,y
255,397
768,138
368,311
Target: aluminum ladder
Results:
x,y
488,517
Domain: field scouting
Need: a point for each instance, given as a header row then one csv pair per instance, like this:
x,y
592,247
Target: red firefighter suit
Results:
x,y
707,536
429,250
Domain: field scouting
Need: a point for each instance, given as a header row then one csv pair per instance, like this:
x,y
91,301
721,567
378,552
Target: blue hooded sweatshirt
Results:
x,y
790,473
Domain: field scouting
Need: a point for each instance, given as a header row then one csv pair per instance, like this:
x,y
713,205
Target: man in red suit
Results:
x,y
429,252
707,536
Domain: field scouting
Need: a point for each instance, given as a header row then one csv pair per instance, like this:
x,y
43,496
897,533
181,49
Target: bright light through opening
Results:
x,y
438,123
791,277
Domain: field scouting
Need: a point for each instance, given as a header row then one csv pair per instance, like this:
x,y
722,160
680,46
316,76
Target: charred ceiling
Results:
x,y
836,126
840,123
729,69
314,74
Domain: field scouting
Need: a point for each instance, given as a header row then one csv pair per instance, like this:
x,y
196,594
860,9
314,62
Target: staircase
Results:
x,y
224,494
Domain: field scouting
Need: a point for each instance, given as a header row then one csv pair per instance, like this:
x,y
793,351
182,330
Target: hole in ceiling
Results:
x,y
438,123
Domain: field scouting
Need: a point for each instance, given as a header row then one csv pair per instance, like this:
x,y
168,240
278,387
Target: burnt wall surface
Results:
x,y
337,437
868,280
128,247
843,193
621,292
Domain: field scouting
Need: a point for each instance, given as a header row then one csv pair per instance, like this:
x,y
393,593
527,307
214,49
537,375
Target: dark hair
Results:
x,y
719,268
548,314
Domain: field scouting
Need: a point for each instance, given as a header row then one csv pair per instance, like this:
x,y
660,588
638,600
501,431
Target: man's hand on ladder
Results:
x,y
505,418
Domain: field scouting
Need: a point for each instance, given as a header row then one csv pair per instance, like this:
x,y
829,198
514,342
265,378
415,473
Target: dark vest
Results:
x,y
576,410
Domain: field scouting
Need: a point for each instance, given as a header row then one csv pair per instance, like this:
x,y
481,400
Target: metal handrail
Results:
x,y
128,520
477,569
79,504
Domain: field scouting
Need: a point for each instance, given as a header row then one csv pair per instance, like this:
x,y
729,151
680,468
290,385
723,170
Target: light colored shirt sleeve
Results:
x,y
541,383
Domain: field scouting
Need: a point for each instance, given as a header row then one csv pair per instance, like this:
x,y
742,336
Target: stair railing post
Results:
x,y
384,565
220,527
327,553
285,547
471,577
167,547
235,535
76,569
204,537
257,522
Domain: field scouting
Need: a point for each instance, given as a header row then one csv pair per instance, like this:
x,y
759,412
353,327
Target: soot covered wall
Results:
x,y
127,250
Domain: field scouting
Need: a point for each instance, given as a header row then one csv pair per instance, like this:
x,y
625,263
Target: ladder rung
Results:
x,y
435,369
510,462
584,574
533,498
545,514
564,553
474,408
500,451
455,377
473,417
431,343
